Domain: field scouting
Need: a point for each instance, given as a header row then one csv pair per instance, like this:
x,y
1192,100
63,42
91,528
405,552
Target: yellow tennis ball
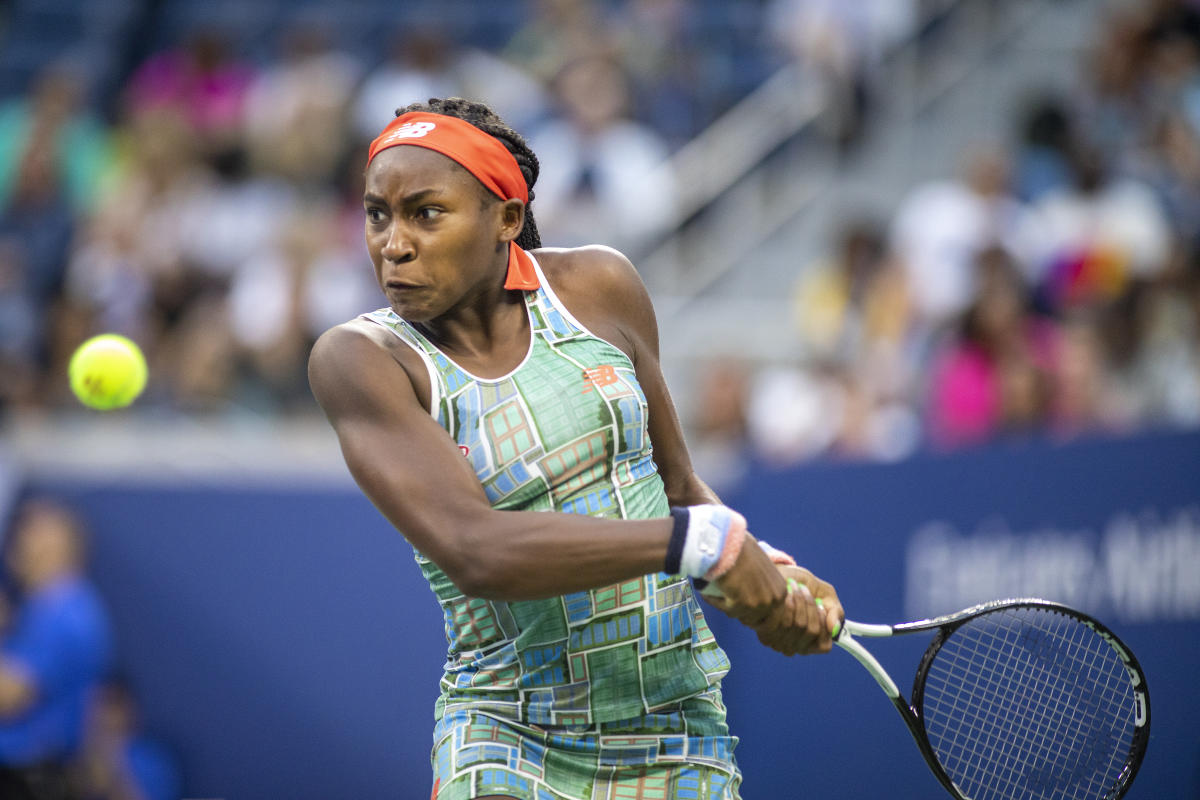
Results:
x,y
107,371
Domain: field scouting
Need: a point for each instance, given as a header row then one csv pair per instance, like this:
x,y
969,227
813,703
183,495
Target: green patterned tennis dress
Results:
x,y
608,694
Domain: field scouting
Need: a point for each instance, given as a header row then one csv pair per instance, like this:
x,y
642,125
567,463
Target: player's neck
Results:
x,y
485,337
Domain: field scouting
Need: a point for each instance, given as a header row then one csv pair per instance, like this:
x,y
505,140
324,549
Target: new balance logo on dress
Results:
x,y
598,377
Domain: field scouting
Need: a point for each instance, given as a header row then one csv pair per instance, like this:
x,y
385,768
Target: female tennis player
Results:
x,y
506,412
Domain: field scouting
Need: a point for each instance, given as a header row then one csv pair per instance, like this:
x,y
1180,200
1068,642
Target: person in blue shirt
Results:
x,y
54,652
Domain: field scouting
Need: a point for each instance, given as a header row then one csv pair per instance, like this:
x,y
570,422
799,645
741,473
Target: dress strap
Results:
x,y
406,333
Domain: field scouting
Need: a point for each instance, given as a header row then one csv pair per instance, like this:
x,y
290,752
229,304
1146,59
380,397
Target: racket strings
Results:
x,y
1058,717
1029,703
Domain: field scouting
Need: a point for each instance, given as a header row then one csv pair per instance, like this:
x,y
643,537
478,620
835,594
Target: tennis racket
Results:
x,y
1020,700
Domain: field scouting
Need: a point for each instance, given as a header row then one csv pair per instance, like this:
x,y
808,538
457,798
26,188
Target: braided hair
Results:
x,y
486,120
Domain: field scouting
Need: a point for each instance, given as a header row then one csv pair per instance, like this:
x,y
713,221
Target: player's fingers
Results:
x,y
814,620
798,637
785,630
834,614
835,617
819,589
807,620
832,623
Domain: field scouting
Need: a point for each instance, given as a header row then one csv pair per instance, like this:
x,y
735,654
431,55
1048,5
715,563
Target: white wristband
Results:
x,y
708,526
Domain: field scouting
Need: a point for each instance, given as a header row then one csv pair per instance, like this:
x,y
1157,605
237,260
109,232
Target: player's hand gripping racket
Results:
x,y
1020,699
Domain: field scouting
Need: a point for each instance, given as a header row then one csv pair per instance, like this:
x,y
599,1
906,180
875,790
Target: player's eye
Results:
x,y
374,215
428,213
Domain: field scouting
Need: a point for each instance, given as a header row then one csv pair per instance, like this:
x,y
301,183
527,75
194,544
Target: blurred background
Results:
x,y
928,283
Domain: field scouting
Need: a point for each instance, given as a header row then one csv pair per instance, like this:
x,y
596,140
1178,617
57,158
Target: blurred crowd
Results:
x,y
1050,287
210,209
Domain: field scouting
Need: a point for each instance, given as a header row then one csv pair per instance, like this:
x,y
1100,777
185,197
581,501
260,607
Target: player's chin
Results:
x,y
414,311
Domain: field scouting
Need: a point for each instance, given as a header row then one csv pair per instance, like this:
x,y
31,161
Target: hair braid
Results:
x,y
484,118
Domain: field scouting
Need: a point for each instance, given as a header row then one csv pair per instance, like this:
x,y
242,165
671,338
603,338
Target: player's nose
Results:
x,y
399,246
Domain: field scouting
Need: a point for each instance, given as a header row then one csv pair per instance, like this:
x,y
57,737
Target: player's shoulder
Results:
x,y
355,353
604,291
591,272
347,342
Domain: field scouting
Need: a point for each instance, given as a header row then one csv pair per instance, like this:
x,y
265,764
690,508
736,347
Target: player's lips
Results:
x,y
401,286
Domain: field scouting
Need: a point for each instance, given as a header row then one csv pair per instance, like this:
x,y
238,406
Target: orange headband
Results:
x,y
479,153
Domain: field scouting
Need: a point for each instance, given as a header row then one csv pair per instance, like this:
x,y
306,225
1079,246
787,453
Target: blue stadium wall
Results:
x,y
284,644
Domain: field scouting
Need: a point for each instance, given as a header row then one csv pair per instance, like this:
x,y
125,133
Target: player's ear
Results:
x,y
512,219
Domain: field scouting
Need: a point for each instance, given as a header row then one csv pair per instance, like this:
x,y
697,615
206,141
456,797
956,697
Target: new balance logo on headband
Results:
x,y
411,130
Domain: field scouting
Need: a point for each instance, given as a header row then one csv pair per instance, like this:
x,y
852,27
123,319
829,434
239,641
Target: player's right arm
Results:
x,y
415,475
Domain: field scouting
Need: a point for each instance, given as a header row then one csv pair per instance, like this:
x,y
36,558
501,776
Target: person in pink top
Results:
x,y
995,375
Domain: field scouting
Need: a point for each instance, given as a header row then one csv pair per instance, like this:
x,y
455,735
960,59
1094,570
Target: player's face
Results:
x,y
436,236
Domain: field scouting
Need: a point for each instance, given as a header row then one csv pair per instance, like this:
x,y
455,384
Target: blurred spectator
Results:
x,y
855,317
419,66
556,33
793,414
515,94
1165,366
289,294
1097,235
1085,395
1170,165
1115,70
37,219
297,109
425,63
118,760
830,411
854,303
53,654
1173,59
604,177
652,39
877,420
719,422
1047,140
201,82
53,155
20,331
53,124
993,376
1145,64
941,228
841,44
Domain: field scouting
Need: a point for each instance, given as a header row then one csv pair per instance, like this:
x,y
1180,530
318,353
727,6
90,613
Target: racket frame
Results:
x,y
944,626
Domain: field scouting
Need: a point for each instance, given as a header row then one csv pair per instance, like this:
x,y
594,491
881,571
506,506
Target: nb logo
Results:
x,y
412,130
598,377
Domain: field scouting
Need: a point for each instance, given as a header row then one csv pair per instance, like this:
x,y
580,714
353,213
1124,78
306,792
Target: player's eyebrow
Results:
x,y
415,197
